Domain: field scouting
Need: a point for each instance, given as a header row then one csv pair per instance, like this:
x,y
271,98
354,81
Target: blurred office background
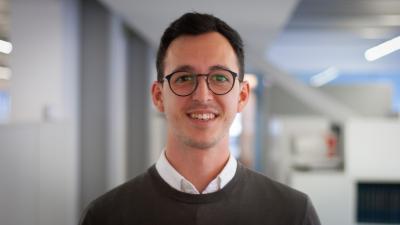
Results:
x,y
76,118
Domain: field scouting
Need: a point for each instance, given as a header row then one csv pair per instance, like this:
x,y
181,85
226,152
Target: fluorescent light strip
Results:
x,y
383,49
5,47
324,77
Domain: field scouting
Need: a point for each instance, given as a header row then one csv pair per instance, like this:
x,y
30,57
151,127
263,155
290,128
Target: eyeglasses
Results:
x,y
219,82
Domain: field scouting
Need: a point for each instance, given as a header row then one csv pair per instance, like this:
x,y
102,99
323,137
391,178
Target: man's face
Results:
x,y
202,119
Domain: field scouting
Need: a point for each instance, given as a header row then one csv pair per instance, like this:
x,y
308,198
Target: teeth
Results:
x,y
203,116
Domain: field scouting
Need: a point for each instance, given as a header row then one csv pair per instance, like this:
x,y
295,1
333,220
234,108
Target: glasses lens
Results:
x,y
220,81
183,83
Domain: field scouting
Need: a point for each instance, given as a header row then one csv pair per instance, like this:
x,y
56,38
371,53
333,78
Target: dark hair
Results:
x,y
195,24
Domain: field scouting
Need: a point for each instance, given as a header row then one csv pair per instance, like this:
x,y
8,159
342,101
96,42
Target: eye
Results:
x,y
183,78
219,78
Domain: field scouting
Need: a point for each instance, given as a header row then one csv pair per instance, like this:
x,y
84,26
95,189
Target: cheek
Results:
x,y
172,106
231,107
233,102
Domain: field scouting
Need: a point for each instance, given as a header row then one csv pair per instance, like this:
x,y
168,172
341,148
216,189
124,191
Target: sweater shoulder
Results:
x,y
272,189
129,188
289,206
118,198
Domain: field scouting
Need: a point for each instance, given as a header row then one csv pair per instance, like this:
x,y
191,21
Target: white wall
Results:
x,y
330,192
373,149
37,173
44,87
18,174
37,58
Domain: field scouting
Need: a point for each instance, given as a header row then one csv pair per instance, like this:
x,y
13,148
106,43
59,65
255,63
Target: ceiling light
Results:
x,y
324,77
382,49
5,47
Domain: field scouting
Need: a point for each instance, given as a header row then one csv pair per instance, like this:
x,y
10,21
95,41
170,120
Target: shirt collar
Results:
x,y
172,177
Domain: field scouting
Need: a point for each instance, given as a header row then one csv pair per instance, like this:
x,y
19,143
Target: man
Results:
x,y
200,88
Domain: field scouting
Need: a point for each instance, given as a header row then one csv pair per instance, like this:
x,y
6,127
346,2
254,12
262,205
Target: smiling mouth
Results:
x,y
203,116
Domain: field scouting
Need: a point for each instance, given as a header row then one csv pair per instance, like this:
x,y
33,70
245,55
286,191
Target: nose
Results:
x,y
202,93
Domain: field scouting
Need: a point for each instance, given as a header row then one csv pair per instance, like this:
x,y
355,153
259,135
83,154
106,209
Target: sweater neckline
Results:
x,y
195,198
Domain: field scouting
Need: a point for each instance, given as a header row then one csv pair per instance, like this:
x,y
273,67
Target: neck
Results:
x,y
199,166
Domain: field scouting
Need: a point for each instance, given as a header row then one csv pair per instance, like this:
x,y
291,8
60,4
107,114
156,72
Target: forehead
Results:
x,y
201,52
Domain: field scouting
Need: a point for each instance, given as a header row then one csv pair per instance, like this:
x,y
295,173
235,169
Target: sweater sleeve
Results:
x,y
310,217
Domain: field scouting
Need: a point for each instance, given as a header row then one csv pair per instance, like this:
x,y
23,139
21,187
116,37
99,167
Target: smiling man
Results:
x,y
200,88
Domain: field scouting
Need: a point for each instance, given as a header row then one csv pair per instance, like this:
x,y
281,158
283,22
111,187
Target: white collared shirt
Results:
x,y
178,182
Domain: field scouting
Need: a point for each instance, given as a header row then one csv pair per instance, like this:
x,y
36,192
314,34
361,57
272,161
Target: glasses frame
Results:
x,y
168,78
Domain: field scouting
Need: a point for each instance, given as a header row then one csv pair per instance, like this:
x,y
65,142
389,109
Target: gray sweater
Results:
x,y
249,198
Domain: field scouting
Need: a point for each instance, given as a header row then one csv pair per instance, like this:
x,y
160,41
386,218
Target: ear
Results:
x,y
157,97
244,95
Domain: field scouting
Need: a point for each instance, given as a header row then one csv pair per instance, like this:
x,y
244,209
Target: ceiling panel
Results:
x,y
258,21
325,33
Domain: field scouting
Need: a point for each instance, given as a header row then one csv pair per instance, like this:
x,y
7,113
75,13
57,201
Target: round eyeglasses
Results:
x,y
183,83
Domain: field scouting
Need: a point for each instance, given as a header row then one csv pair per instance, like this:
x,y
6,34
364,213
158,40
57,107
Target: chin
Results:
x,y
199,144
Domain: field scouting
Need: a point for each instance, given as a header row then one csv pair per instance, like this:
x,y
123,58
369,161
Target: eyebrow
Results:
x,y
185,68
188,68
